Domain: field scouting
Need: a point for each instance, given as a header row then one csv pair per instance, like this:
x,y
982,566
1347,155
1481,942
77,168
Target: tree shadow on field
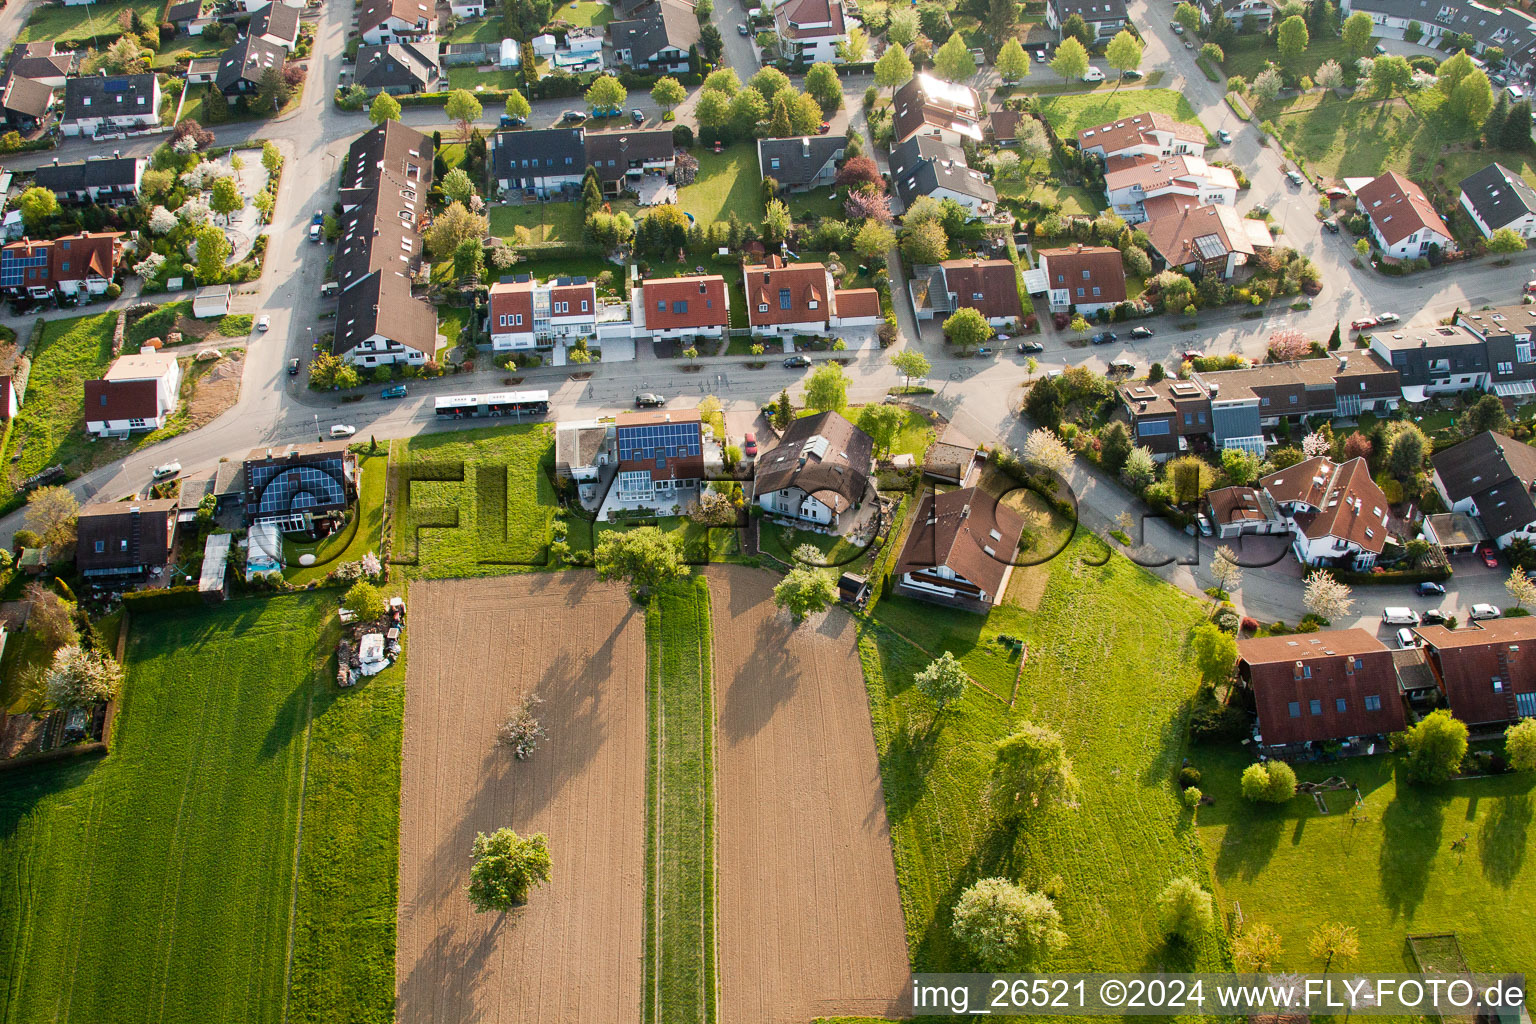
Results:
x,y
766,680
909,758
442,984
1248,845
1502,839
1411,827
995,856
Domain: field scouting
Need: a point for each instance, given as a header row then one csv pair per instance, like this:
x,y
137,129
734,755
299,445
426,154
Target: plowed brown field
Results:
x,y
810,918
574,953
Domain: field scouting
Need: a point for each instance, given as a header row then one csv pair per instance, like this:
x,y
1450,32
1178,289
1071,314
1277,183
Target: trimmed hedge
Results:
x,y
1436,575
155,600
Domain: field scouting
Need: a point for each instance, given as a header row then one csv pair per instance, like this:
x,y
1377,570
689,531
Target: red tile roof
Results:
x,y
1327,667
779,294
1469,660
510,297
1102,263
991,287
1398,208
856,302
1347,502
121,400
956,529
1136,129
575,294
703,302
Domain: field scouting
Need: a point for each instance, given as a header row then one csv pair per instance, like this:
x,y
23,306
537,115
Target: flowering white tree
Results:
x,y
1363,68
1266,85
1289,344
1521,587
196,176
1329,74
161,221
184,145
1315,444
194,211
1422,80
149,266
1325,596
1225,570
1044,448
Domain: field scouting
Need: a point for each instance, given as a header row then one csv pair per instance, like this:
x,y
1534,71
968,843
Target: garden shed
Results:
x,y
211,301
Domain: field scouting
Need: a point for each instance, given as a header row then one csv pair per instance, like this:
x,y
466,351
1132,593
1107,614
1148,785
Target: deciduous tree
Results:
x,y
1044,448
1215,652
1006,926
1436,745
1225,570
1329,75
854,49
903,27
668,93
452,226
910,363
1292,37
953,60
1256,949
1506,240
826,390
464,110
1012,62
644,558
1334,941
894,69
38,206
364,600
517,105
805,591
384,108
1520,745
1357,33
1187,16
1123,53
1325,596
52,513
1071,60
823,85
1185,910
506,866
1272,782
966,328
78,678
1032,771
943,680
882,423
874,241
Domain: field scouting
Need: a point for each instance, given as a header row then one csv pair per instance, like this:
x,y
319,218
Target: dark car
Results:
x,y
742,29
649,398
1434,617
1426,588
1141,332
797,362
749,444
1026,347
398,391
318,218
637,115
508,121
293,367
1104,338
573,117
1331,226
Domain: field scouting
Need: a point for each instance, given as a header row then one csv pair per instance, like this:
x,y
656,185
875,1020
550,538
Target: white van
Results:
x,y
1400,616
1093,75
1515,92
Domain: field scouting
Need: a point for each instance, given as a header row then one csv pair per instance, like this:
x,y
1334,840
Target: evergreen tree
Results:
x,y
1334,339
1515,134
1498,117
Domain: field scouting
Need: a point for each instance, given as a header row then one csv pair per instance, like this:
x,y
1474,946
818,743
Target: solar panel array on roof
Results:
x,y
114,85
672,440
285,489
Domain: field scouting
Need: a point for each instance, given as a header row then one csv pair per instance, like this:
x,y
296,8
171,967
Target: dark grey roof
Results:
x,y
180,14
76,177
276,19
923,164
247,61
626,148
551,147
656,26
414,65
383,305
1504,27
393,148
1091,10
1499,195
800,159
109,96
1495,471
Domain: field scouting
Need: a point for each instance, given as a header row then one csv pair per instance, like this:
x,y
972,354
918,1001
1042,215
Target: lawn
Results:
x,y
94,25
545,222
473,79
195,46
679,963
353,541
1071,114
727,183
478,30
823,202
584,13
452,322
1248,55
1389,869
701,544
1106,669
837,551
473,502
157,883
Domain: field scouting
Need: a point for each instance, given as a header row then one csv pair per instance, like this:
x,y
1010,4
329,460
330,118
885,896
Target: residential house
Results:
x,y
818,472
25,103
1336,686
1150,134
1510,29
277,24
72,266
41,62
929,106
623,158
655,36
1234,511
812,31
396,21
959,552
799,298
586,451
294,485
1087,278
1192,237
378,323
1003,126
1486,671
1497,197
542,162
526,314
462,9
125,539
388,150
1404,223
181,16
1255,14
252,6
138,393
399,68
803,163
681,308
109,181
1490,476
99,104
1104,17
1131,182
661,455
1434,360
1506,334
243,66
991,287
1169,416
1337,514
926,166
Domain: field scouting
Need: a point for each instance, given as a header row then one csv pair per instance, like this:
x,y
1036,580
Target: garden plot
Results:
x,y
810,921
574,953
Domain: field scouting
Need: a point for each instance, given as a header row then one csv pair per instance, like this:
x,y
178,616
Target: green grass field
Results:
x,y
1248,60
494,519
584,13
680,926
95,25
359,537
781,541
476,30
471,78
1071,114
727,183
156,883
700,543
545,222
452,322
1107,670
1391,872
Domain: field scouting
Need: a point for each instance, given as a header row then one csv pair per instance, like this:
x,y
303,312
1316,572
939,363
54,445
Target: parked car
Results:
x,y
749,444
1363,324
1490,559
1122,366
637,115
1104,338
649,398
1026,347
1387,318
393,391
314,232
1178,29
1380,50
293,367
1039,56
166,471
1295,178
1142,332
826,126
573,116
606,111
1331,225
1407,639
1093,75
508,121
1203,524
1131,75
1530,286
1427,589
1485,611
1435,617
1224,135
1194,353
742,30
263,322
797,362
1399,616
342,430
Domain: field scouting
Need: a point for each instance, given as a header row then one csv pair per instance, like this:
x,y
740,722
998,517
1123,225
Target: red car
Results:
x,y
1364,325
826,126
749,444
1489,559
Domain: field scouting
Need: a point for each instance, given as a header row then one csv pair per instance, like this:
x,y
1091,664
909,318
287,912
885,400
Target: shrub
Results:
x,y
1189,775
1192,797
1271,782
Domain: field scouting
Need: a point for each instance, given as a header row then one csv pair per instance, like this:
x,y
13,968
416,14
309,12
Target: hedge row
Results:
x,y
155,600
1434,575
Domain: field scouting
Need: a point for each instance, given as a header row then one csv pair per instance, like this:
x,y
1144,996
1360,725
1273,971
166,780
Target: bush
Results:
x,y
682,136
1192,797
1272,782
1189,775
